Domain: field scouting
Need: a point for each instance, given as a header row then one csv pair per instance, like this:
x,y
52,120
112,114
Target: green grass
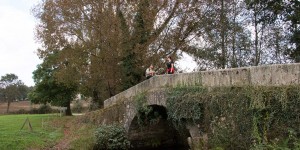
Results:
x,y
85,138
13,138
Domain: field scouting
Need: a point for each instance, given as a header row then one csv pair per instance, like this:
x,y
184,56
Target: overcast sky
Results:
x,y
17,44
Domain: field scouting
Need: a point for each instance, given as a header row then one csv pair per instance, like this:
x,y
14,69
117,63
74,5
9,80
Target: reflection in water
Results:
x,y
156,132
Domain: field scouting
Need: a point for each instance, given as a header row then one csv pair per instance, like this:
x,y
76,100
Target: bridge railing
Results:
x,y
267,75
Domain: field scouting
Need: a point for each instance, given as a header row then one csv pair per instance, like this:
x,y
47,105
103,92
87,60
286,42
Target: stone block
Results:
x,y
216,78
161,81
194,78
274,75
261,75
127,93
224,78
240,76
209,78
157,97
177,79
151,82
287,74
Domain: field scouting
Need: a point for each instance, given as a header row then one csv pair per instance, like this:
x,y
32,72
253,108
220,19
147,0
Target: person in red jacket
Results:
x,y
170,65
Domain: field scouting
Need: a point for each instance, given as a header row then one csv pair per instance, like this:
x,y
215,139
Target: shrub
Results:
x,y
77,108
44,109
111,137
21,111
93,106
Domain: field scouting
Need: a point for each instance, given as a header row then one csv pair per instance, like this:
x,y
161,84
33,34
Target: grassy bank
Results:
x,y
43,133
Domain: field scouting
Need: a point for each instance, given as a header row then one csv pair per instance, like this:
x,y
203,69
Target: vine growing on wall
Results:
x,y
239,117
145,114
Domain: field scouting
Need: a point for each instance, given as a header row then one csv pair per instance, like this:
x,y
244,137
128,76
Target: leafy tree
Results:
x,y
23,90
287,13
259,25
10,88
1,95
222,40
48,90
292,15
239,41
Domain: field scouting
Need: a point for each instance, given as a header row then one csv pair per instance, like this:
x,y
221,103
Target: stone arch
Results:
x,y
156,97
156,131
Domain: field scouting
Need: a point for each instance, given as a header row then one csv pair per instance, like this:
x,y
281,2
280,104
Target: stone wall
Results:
x,y
283,74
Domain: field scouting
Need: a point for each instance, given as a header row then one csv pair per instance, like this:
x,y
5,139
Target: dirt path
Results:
x,y
64,143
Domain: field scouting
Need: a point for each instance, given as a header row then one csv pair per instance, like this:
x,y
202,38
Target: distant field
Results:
x,y
43,134
26,105
15,106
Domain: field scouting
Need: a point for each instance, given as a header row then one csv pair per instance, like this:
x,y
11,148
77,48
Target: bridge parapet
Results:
x,y
268,75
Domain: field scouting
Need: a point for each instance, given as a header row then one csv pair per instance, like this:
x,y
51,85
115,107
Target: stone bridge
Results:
x,y
121,108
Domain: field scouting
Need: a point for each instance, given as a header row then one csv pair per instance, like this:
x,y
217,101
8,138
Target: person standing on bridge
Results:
x,y
170,65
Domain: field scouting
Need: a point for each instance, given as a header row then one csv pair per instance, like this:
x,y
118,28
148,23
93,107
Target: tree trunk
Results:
x,y
110,90
8,104
96,99
223,57
234,57
257,57
68,111
277,46
296,52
